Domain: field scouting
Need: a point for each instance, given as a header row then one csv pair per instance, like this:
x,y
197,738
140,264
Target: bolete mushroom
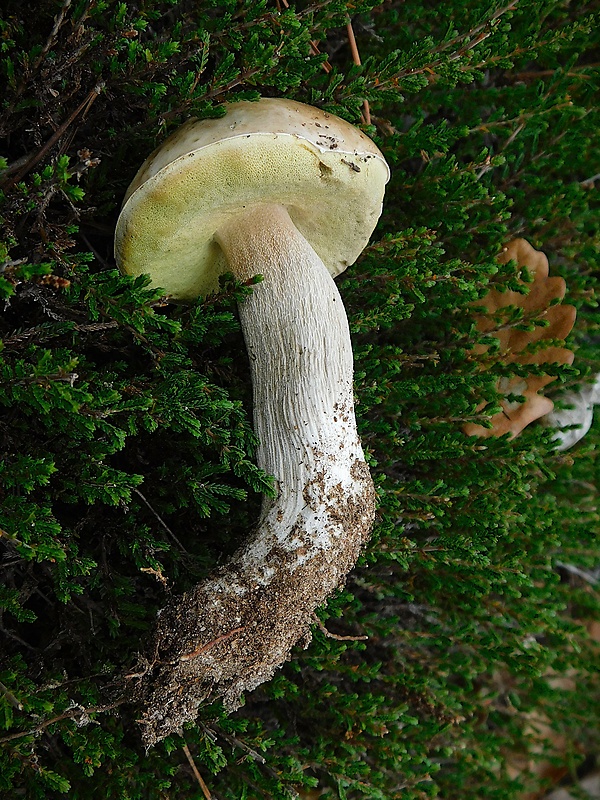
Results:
x,y
287,191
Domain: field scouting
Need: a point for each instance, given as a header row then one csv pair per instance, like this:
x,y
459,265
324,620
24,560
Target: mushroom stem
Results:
x,y
298,342
230,633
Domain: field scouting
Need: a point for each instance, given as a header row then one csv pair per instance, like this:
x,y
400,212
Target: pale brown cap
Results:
x,y
327,173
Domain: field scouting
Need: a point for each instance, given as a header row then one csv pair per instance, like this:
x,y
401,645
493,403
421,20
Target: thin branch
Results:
x,y
203,786
203,648
13,263
335,636
158,575
478,29
37,157
325,66
357,61
313,46
77,712
513,135
576,72
234,742
93,250
574,570
161,520
479,33
58,22
17,639
590,181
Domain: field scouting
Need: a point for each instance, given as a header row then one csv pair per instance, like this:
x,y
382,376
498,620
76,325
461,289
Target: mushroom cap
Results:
x,y
327,173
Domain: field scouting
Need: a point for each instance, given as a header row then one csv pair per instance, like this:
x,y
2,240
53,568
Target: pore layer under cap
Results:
x,y
329,176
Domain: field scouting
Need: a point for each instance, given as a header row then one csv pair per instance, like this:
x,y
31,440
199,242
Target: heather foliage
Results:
x,y
127,465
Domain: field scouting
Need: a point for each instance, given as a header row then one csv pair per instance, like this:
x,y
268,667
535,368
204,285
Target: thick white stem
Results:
x,y
298,342
231,632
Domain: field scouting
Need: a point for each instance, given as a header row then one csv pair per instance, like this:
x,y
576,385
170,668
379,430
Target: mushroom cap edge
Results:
x,y
328,174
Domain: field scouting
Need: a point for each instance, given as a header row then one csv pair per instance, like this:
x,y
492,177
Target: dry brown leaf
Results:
x,y
514,342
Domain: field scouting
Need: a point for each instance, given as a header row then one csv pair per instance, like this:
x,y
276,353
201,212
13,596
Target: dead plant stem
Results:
x,y
203,786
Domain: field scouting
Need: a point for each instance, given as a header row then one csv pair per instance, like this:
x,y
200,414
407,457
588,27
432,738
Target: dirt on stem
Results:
x,y
231,633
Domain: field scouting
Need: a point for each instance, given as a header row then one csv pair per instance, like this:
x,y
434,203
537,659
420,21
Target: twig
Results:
x,y
146,667
313,46
203,648
17,639
574,570
547,73
335,636
37,157
15,165
91,247
58,21
14,263
479,28
161,520
158,575
590,181
357,61
479,33
513,135
203,786
94,327
256,756
325,66
226,88
77,712
237,743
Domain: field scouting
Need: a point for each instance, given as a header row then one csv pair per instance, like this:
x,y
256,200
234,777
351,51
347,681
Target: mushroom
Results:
x,y
515,344
287,191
